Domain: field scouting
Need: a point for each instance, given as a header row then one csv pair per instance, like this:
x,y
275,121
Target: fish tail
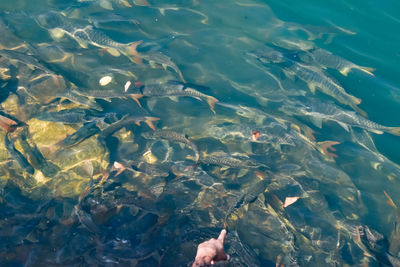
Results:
x,y
345,71
136,98
394,130
133,53
367,70
211,102
149,121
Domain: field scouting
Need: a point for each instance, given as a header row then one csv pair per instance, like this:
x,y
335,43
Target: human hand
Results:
x,y
211,251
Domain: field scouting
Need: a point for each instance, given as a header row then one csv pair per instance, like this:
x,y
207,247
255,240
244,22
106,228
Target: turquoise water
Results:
x,y
134,130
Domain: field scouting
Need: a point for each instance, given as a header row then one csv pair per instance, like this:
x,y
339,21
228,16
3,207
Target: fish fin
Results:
x,y
162,11
344,125
56,33
182,146
326,147
141,3
316,121
390,201
211,102
360,111
82,44
136,98
153,64
133,53
174,98
367,70
311,86
376,131
149,121
137,123
107,99
289,74
180,75
114,52
394,130
106,5
164,66
345,71
126,3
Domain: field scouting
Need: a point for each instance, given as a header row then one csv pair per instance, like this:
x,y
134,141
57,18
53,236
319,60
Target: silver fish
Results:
x,y
173,136
159,58
315,78
176,89
328,60
319,111
58,25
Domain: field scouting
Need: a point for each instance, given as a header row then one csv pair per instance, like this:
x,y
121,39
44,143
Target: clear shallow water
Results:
x,y
76,209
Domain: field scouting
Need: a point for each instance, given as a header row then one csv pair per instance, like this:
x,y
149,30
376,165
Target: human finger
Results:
x,y
222,236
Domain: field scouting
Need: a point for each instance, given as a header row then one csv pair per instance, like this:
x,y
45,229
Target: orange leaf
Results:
x,y
289,201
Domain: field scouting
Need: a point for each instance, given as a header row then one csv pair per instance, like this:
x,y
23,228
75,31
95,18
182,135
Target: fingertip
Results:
x,y
222,235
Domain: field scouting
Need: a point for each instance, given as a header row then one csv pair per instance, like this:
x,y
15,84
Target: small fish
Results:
x,y
319,111
109,94
267,55
75,97
328,60
249,196
76,115
173,136
36,157
159,58
125,121
83,133
19,158
229,162
86,220
58,25
176,89
315,78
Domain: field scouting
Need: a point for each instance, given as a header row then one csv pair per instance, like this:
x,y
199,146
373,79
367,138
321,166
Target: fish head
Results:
x,y
50,20
267,55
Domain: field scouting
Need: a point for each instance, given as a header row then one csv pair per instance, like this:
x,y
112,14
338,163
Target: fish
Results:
x,y
229,161
249,196
266,55
326,59
315,78
154,58
76,115
108,4
73,96
83,133
125,121
36,157
107,95
173,136
58,25
32,63
18,157
176,89
319,111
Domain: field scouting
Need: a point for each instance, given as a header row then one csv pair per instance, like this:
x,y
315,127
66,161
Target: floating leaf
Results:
x,y
289,201
105,80
255,136
127,85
